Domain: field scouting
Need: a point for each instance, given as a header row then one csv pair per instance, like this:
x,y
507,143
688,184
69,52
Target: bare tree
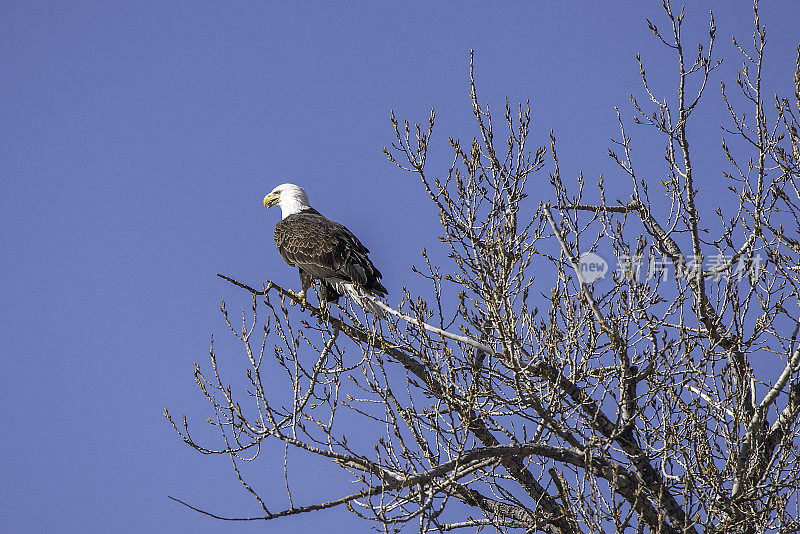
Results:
x,y
644,406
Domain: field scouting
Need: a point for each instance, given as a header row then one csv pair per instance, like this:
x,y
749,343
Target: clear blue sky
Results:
x,y
136,143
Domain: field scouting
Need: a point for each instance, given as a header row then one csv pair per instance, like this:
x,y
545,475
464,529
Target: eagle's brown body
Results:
x,y
326,250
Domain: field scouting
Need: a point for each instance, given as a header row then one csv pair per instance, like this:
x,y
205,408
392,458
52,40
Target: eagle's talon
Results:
x,y
298,298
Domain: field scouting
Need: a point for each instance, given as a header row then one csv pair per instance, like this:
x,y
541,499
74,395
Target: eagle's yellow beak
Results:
x,y
271,199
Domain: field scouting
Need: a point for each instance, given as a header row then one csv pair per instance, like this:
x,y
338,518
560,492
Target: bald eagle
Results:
x,y
323,250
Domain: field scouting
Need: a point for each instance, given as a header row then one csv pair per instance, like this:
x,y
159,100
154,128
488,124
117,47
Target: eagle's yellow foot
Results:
x,y
299,298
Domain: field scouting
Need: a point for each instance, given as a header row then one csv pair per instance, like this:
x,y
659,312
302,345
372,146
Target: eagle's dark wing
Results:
x,y
326,249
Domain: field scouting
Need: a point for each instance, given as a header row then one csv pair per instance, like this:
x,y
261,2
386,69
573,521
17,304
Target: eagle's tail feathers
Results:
x,y
363,299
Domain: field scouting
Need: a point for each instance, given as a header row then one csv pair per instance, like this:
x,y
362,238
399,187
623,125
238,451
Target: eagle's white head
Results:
x,y
291,198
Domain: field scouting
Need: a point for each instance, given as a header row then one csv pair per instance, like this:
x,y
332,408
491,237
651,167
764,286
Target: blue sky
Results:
x,y
136,143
